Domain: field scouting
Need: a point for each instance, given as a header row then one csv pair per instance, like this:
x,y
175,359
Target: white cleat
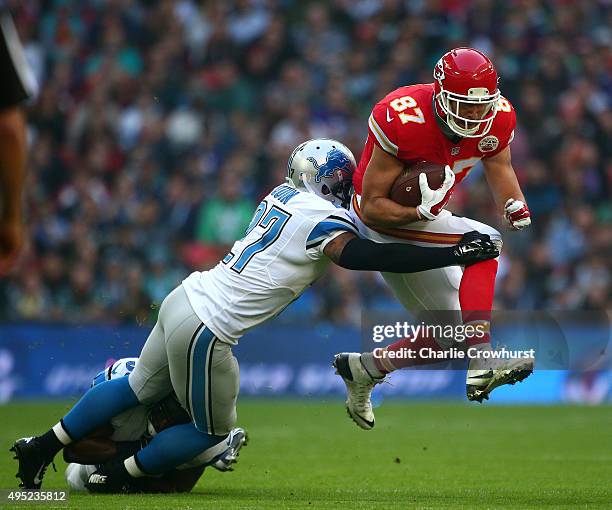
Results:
x,y
359,385
236,440
486,374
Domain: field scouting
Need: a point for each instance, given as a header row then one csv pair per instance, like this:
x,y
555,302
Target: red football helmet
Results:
x,y
466,91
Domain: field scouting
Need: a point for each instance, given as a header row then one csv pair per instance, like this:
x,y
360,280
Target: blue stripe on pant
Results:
x,y
199,379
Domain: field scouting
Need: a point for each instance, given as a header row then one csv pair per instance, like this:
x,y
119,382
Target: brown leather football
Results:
x,y
406,190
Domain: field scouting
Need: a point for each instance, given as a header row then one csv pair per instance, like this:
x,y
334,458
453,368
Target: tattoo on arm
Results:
x,y
334,248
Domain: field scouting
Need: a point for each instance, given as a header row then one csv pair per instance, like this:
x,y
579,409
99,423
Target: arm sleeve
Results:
x,y
365,255
18,81
326,230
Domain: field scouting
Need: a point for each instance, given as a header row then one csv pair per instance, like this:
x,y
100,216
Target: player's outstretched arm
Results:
x,y
506,189
377,209
12,176
352,252
18,84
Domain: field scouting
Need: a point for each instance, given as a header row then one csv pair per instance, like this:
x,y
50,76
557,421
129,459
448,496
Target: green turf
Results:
x,y
309,455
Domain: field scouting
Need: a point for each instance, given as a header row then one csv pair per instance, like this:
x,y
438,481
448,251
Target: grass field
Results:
x,y
309,455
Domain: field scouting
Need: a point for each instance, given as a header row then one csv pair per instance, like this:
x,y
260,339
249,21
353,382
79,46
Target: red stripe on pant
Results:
x,y
389,364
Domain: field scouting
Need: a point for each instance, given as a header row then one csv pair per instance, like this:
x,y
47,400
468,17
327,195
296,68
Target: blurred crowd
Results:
x,y
160,124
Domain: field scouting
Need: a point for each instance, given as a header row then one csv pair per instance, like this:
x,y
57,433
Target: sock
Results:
x,y
378,366
170,448
98,406
117,469
476,299
54,440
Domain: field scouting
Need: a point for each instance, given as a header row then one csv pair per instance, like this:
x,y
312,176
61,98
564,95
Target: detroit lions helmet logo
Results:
x,y
334,161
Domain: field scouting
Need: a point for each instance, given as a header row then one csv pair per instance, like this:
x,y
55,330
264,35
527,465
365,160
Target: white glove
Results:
x,y
434,200
517,214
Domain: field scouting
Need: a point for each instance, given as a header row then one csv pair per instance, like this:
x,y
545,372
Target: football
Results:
x,y
406,190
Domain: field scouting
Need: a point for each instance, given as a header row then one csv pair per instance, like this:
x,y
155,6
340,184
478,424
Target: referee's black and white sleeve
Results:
x,y
17,83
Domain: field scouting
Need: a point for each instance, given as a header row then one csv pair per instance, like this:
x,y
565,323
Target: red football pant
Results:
x,y
386,364
476,299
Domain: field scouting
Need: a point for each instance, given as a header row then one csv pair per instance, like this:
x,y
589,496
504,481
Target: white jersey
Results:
x,y
280,255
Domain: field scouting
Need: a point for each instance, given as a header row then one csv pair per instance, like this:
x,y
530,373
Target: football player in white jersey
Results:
x,y
296,231
131,430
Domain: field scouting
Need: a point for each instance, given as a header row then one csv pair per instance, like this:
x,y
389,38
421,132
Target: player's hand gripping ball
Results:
x,y
426,186
434,200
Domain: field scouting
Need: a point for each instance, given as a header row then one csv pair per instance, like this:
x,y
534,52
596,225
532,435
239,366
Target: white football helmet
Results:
x,y
324,167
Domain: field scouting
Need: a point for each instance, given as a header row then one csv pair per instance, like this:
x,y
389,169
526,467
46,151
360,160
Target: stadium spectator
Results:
x,y
224,218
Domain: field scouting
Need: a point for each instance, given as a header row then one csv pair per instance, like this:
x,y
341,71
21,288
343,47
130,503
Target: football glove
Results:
x,y
475,247
517,214
434,200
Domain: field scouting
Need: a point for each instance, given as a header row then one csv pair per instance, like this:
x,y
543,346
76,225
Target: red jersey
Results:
x,y
404,124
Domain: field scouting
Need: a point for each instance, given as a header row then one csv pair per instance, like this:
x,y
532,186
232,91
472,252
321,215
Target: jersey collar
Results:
x,y
446,131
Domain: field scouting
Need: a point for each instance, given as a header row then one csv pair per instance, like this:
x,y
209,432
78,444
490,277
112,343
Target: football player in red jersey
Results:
x,y
458,120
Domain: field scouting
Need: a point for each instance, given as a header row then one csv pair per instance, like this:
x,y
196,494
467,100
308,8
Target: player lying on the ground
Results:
x,y
459,120
130,431
296,231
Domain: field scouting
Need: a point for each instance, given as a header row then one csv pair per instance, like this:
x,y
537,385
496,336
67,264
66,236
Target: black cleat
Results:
x,y
32,462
